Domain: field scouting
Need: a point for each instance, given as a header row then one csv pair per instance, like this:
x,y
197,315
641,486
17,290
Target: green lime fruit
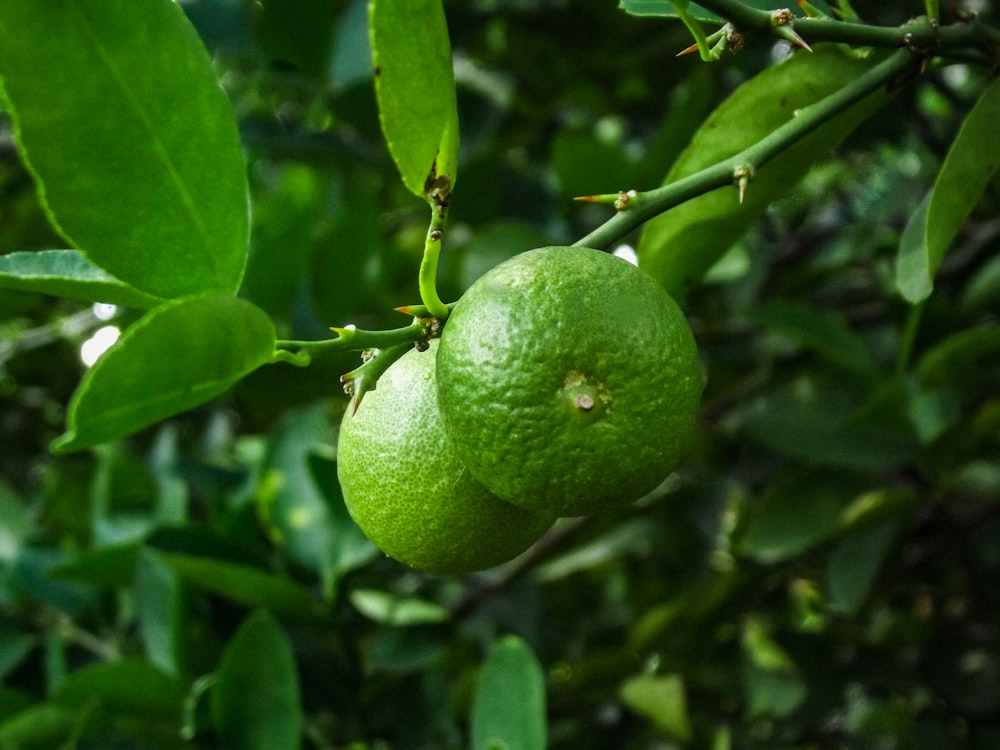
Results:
x,y
409,493
569,381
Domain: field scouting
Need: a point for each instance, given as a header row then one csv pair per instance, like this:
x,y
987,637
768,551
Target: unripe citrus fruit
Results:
x,y
406,489
569,381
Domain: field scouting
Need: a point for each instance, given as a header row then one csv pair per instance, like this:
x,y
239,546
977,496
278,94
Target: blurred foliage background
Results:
x,y
821,572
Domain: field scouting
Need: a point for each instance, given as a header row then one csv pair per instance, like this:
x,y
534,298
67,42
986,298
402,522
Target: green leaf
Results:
x,y
796,512
178,356
68,273
971,162
662,700
131,687
829,420
508,708
247,585
772,681
16,525
41,727
415,87
159,602
854,564
383,607
305,516
823,331
255,700
679,246
132,142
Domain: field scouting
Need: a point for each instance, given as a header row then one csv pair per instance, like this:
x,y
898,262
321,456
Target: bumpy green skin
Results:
x,y
406,489
569,381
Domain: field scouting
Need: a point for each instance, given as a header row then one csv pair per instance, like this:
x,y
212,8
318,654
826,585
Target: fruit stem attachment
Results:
x,y
438,192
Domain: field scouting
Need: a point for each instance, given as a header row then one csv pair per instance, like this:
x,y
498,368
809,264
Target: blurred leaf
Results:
x,y
416,88
298,33
661,699
68,273
586,166
386,608
854,562
255,700
14,648
288,203
508,708
797,511
16,524
968,354
301,517
771,679
159,601
178,356
971,162
830,421
112,566
679,247
130,687
821,330
247,585
41,727
95,88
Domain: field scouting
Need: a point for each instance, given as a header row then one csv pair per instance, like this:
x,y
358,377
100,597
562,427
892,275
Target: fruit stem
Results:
x,y
651,203
350,338
359,381
438,198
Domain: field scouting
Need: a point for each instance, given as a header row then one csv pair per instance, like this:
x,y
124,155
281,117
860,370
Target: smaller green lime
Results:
x,y
406,489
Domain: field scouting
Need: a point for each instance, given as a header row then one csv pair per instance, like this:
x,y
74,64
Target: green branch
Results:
x,y
922,33
740,167
353,339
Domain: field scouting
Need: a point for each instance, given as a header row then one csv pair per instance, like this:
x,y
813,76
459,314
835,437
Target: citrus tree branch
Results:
x,y
737,169
924,32
354,339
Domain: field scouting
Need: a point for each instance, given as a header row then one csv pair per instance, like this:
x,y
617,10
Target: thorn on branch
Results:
x,y
782,22
743,175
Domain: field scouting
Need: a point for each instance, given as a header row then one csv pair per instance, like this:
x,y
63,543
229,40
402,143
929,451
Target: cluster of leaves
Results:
x,y
821,571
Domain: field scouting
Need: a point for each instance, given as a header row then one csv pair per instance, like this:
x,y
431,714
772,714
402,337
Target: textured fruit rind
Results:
x,y
406,489
523,343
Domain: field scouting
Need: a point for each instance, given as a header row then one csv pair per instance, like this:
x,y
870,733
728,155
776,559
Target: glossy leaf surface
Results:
x,y
179,356
415,88
133,145
68,273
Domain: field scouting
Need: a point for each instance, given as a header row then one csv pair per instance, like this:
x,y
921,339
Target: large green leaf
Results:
x,y
255,701
415,86
508,710
68,273
679,246
971,162
179,356
131,141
